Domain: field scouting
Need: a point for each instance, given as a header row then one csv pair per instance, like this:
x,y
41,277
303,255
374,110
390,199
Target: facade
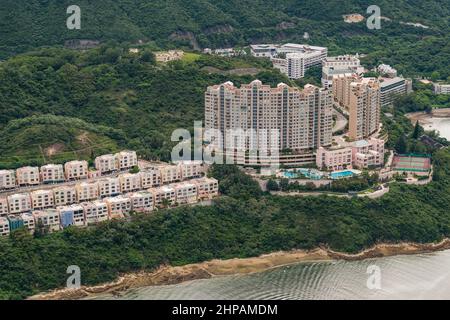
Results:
x,y
28,221
191,169
126,160
208,188
169,173
361,97
335,159
361,154
333,66
28,176
269,118
19,203
48,218
186,192
42,199
72,215
76,170
150,178
118,206
109,187
141,201
87,191
95,211
4,226
164,196
7,179
3,207
130,182
52,173
106,163
387,70
65,195
393,87
441,88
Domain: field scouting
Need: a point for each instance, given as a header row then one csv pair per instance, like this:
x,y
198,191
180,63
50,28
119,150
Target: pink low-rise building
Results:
x,y
335,159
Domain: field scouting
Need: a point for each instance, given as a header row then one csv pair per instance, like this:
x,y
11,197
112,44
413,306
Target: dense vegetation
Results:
x,y
221,23
238,225
119,98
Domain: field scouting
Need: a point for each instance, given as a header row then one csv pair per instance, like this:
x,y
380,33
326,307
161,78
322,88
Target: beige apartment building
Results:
x,y
75,214
109,187
118,206
130,182
191,169
361,97
52,173
150,178
169,173
334,159
65,195
76,170
42,199
28,176
4,207
126,160
19,203
7,179
186,192
4,226
141,201
48,218
164,196
106,163
87,191
95,211
28,221
302,119
208,188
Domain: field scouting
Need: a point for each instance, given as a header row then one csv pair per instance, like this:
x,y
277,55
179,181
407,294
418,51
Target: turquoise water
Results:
x,y
424,276
290,175
342,174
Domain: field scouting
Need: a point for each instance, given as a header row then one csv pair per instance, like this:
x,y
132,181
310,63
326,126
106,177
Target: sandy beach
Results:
x,y
424,117
167,275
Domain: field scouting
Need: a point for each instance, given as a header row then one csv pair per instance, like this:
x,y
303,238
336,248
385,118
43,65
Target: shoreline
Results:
x,y
424,118
168,275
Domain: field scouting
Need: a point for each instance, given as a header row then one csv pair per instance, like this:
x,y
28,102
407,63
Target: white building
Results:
x,y
4,226
48,219
28,221
76,170
141,201
94,212
87,191
19,203
106,163
109,187
208,188
332,66
7,179
64,195
441,88
387,70
118,206
126,160
150,178
52,173
42,199
130,182
72,215
391,88
186,192
164,196
28,176
4,210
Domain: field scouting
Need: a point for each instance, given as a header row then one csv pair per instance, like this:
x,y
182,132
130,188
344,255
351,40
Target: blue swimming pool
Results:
x,y
290,175
342,174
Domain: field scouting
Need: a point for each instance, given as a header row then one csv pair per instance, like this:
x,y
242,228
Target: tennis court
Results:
x,y
412,163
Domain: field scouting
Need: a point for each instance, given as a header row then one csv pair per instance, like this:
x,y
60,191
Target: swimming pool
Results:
x,y
342,174
290,175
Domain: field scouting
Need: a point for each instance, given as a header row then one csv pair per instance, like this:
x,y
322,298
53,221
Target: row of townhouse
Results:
x,y
102,188
91,212
72,170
